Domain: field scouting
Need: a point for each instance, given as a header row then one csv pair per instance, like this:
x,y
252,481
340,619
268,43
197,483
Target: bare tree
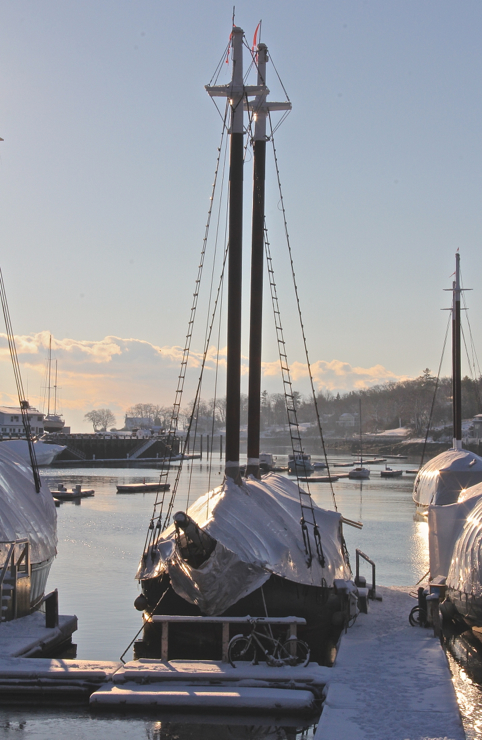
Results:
x,y
100,419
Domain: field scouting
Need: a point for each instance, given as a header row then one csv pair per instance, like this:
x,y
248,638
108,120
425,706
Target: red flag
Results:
x,y
255,37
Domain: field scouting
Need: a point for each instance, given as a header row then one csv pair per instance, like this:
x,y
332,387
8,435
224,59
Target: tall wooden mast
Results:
x,y
260,109
237,92
456,359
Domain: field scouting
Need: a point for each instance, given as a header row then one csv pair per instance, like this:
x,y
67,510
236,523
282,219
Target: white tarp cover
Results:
x,y
465,572
258,532
441,480
24,513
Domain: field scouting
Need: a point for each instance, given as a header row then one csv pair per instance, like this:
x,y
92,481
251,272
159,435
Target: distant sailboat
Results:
x,y
441,479
53,422
360,473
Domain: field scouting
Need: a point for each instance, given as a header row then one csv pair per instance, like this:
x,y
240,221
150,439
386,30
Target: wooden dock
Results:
x,y
390,680
213,686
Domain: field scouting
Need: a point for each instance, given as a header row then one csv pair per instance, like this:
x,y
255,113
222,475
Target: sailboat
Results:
x,y
240,549
441,480
360,473
28,519
53,422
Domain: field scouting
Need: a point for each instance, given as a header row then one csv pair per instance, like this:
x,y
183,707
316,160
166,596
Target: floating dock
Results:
x,y
29,637
390,680
212,686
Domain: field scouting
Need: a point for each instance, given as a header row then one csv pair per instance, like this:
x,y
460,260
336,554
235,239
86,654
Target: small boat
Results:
x,y
390,473
319,479
142,487
300,462
375,461
319,465
359,473
63,494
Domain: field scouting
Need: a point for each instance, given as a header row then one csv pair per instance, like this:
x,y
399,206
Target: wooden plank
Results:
x,y
230,620
165,641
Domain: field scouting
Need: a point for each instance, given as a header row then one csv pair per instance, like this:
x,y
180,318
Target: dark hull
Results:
x,y
320,606
468,606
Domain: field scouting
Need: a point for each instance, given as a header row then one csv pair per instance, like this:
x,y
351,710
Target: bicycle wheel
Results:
x,y
241,650
294,652
417,616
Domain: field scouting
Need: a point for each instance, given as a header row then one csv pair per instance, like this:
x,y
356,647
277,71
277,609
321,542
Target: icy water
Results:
x,y
101,540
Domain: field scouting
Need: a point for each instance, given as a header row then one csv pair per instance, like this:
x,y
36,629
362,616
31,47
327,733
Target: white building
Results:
x,y
11,421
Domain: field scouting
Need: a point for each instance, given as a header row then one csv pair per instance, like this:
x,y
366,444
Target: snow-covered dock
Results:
x,y
24,680
29,637
213,687
390,680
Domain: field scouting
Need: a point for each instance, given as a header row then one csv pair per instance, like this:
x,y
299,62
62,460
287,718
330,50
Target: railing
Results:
x,y
15,601
166,619
360,581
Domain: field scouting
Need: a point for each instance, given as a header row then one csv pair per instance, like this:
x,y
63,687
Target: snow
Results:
x,y
205,698
258,532
151,670
21,636
390,680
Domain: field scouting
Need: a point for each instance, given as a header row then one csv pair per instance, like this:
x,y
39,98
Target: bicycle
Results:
x,y
290,652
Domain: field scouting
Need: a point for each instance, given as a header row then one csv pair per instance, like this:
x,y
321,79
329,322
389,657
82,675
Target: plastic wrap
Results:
x,y
258,532
442,479
24,513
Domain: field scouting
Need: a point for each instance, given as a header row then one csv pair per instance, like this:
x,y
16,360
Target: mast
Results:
x,y
55,389
236,91
260,109
49,369
456,359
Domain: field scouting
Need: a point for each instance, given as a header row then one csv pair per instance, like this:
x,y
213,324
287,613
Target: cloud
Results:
x,y
337,376
116,373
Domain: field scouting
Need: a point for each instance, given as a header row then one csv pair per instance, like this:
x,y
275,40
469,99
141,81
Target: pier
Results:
x,y
390,680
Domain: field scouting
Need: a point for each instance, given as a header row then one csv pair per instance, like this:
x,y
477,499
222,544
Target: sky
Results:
x,y
107,164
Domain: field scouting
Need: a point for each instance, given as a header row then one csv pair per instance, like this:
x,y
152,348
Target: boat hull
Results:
x,y
320,606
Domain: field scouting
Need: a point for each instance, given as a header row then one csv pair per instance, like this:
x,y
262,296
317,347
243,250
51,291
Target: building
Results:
x,y
11,423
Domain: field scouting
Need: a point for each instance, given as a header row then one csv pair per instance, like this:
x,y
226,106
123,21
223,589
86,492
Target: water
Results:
x,y
100,543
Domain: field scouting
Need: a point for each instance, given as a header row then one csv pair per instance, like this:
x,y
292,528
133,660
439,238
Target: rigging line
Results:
x,y
279,78
475,359
174,421
435,391
216,237
303,334
24,405
293,425
203,363
216,376
220,64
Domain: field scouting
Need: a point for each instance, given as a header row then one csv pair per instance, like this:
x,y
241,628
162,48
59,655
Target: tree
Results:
x,y
100,419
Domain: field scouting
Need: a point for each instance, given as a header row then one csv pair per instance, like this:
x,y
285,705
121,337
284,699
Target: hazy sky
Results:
x,y
108,160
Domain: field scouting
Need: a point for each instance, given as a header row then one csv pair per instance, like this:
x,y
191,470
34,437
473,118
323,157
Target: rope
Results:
x,y
306,505
158,507
305,344
435,393
24,405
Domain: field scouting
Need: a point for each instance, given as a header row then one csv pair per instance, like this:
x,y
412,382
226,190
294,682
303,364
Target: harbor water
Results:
x,y
100,543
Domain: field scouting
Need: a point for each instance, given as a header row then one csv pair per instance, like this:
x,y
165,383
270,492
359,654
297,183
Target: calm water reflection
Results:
x,y
101,540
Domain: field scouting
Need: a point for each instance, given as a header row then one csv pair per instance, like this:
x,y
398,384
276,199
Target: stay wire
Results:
x,y
305,344
174,422
23,402
435,392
